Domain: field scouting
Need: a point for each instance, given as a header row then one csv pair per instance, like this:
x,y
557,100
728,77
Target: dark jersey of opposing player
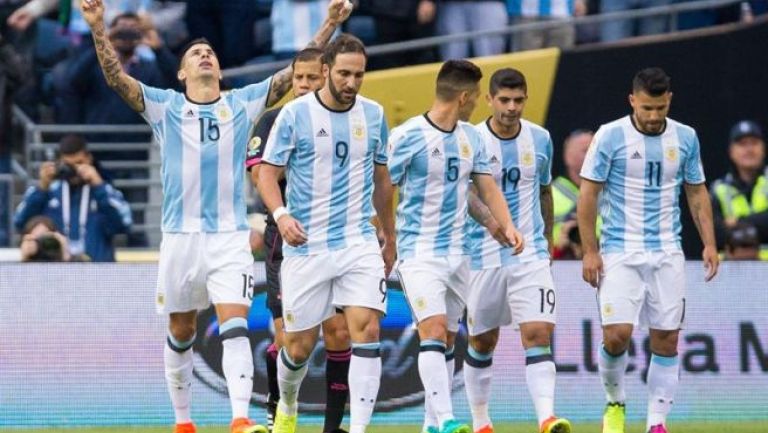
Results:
x,y
256,144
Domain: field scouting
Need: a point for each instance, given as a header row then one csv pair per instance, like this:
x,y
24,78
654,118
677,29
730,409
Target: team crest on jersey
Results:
x,y
289,317
358,131
420,303
607,310
160,299
466,151
254,145
223,113
527,159
671,154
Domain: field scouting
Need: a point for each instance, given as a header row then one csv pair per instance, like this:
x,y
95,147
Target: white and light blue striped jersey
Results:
x,y
294,23
432,167
540,8
642,176
328,157
520,166
203,148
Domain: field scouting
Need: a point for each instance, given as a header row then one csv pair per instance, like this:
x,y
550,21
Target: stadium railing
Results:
x,y
672,12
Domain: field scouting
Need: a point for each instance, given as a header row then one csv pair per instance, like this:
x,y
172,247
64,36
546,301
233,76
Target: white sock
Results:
x,y
434,377
430,420
237,364
540,376
177,357
612,369
364,380
289,377
477,381
663,377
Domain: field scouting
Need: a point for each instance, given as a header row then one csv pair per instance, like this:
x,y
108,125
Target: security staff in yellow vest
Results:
x,y
742,195
565,194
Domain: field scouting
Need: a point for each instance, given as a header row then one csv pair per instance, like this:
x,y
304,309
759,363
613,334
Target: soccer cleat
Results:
x,y
244,425
431,429
485,429
658,429
187,427
453,426
271,408
555,425
284,423
613,418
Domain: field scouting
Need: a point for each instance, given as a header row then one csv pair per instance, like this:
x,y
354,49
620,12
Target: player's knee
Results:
x,y
297,352
181,331
536,337
368,333
484,343
615,343
433,328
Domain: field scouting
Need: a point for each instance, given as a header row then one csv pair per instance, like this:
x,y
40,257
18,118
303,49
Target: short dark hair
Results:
x,y
456,76
344,43
124,16
653,81
191,44
71,144
507,78
309,54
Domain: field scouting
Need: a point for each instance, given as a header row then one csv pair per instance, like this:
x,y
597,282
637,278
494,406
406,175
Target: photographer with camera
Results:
x,y
40,242
73,193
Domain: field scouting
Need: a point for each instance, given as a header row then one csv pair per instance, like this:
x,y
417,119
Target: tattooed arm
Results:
x,y
125,85
283,79
701,212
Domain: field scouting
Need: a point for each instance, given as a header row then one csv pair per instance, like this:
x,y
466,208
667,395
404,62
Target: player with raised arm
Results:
x,y
331,147
432,159
307,78
507,288
639,163
205,254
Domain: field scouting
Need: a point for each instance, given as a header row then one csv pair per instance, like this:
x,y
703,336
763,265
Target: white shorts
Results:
x,y
516,293
197,269
643,288
314,286
436,286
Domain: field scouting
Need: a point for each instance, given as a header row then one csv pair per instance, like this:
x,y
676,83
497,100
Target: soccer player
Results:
x,y
504,287
307,78
639,163
205,254
331,145
432,159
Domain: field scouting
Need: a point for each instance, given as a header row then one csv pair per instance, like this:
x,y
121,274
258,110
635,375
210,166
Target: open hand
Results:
x,y
291,231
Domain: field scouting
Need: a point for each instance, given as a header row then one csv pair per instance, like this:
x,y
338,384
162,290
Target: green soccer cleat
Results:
x,y
613,418
284,423
453,426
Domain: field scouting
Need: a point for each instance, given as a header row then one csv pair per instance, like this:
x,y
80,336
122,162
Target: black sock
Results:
x,y
337,387
274,389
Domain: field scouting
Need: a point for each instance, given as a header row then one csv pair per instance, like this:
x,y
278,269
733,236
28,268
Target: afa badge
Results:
x,y
527,159
671,154
420,303
223,113
607,310
358,131
466,151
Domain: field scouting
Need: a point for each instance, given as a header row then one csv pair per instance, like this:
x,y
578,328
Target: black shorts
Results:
x,y
274,245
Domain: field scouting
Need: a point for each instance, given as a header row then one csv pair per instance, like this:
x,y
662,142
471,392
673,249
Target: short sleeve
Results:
x,y
545,169
400,155
597,162
155,102
259,137
480,164
281,141
254,96
694,170
381,146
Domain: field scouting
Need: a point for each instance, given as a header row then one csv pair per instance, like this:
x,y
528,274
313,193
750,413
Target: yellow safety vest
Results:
x,y
565,195
734,204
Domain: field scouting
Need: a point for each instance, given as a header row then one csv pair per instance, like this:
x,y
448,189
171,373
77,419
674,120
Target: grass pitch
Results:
x,y
719,427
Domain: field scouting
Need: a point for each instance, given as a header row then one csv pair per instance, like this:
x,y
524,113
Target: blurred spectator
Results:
x,y
742,194
565,194
401,20
11,77
74,194
459,16
619,29
40,242
294,22
227,24
742,242
529,11
82,94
